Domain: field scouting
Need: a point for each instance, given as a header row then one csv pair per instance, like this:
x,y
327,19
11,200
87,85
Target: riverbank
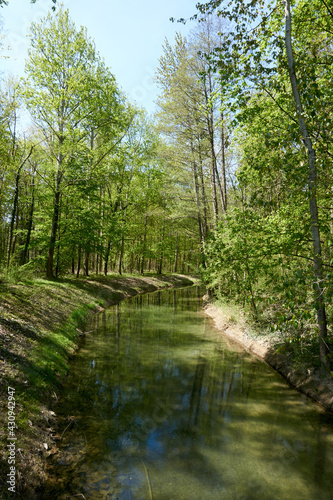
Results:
x,y
41,322
272,350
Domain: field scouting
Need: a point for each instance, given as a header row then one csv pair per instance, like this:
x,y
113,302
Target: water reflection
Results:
x,y
159,406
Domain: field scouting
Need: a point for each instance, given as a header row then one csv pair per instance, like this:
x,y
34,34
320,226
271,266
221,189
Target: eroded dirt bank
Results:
x,y
41,323
306,381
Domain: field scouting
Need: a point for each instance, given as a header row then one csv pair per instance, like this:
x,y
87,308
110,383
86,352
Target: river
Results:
x,y
158,405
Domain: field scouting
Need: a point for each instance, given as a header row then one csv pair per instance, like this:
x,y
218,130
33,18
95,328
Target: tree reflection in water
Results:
x,y
161,402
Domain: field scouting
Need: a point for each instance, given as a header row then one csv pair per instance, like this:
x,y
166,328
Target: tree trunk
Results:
x,y
13,216
197,199
131,263
15,203
57,267
78,261
160,260
86,264
54,229
197,194
24,258
224,177
184,256
317,255
203,194
176,255
214,176
144,244
121,255
106,259
16,229
56,202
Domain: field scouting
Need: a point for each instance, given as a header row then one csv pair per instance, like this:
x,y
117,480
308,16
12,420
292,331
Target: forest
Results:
x,y
231,178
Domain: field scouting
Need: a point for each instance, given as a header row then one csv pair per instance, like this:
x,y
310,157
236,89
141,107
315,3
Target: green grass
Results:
x,y
300,348
40,324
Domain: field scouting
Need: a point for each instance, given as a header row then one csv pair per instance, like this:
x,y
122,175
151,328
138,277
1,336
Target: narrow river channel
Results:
x,y
158,405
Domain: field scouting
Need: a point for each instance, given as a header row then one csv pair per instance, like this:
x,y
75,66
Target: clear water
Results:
x,y
160,406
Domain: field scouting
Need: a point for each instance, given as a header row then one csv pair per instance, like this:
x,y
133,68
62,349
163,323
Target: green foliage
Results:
x,y
87,189
262,254
5,2
273,250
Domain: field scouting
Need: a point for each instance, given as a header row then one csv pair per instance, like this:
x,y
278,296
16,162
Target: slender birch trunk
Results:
x,y
224,179
203,195
197,194
317,254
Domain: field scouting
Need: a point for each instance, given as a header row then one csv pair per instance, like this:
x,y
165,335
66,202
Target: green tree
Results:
x,y
71,96
254,53
5,2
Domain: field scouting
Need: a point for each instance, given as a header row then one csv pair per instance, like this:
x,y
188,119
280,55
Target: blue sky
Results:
x,y
128,35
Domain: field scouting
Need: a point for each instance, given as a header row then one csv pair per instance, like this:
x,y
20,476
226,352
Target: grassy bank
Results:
x,y
40,325
296,359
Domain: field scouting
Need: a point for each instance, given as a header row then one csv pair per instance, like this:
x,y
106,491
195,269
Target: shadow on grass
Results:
x,y
114,288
